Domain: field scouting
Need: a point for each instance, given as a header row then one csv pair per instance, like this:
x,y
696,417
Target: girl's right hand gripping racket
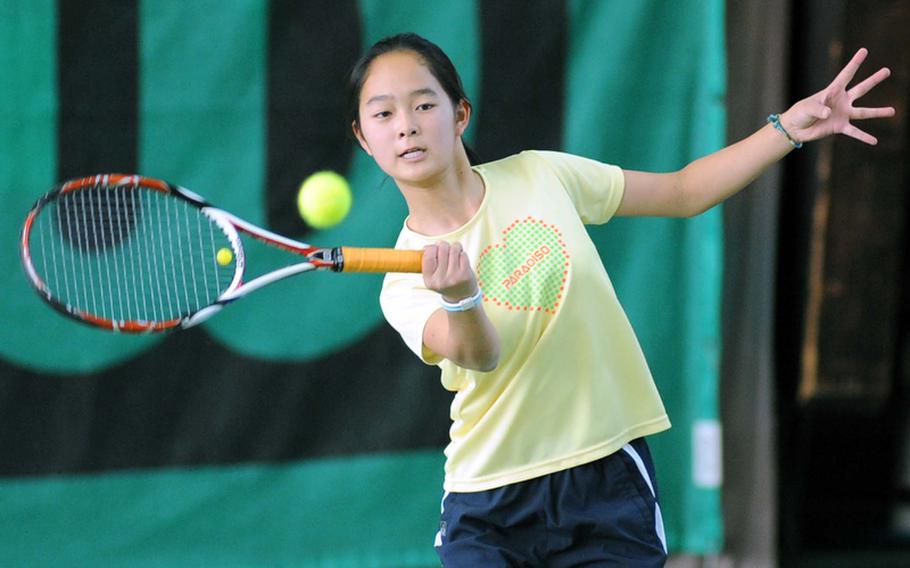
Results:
x,y
136,254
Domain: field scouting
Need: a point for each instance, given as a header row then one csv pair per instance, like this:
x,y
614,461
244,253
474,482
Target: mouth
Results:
x,y
413,153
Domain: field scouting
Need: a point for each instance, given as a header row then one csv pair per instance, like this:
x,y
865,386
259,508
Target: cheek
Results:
x,y
379,147
374,139
383,133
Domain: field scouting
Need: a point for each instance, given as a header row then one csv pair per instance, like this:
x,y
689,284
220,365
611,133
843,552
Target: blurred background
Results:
x,y
295,429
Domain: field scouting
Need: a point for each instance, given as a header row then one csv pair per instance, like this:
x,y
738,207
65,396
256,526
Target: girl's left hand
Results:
x,y
830,111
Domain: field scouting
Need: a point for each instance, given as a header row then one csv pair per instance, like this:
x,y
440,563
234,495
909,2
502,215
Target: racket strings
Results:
x,y
128,253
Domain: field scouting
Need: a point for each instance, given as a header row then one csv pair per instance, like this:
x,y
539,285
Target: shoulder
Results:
x,y
552,160
524,158
526,163
563,160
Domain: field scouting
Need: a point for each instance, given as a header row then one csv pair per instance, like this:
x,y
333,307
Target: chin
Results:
x,y
421,173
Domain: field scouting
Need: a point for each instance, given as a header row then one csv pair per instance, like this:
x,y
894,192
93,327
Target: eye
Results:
x,y
425,106
382,114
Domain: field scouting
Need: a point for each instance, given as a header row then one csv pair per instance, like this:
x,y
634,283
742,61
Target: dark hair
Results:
x,y
436,60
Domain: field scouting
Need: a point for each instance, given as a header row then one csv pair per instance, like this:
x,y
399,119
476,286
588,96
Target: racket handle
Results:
x,y
380,260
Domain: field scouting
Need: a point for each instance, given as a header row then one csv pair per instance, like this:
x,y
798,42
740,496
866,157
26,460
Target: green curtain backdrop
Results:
x,y
294,429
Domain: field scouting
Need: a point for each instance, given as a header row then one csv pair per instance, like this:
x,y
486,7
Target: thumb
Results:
x,y
818,110
804,114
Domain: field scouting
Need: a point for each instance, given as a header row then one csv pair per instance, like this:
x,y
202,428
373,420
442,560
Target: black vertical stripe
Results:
x,y
523,74
311,47
189,401
97,58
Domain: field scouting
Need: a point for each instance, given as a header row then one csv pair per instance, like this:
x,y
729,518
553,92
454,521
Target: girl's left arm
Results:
x,y
710,180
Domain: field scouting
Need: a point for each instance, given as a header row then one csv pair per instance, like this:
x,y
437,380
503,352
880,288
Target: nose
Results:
x,y
407,130
408,127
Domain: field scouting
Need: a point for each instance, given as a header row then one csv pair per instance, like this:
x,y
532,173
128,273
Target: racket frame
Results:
x,y
230,225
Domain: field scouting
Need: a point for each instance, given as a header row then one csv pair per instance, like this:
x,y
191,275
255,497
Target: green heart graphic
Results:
x,y
527,270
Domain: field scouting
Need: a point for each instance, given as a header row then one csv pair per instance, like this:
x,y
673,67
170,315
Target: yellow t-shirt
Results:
x,y
572,384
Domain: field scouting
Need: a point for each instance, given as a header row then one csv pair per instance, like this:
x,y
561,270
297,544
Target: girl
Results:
x,y
547,464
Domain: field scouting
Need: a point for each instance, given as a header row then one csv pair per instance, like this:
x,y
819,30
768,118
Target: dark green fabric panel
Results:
x,y
645,91
642,87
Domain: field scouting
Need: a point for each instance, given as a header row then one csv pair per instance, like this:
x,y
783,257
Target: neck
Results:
x,y
444,204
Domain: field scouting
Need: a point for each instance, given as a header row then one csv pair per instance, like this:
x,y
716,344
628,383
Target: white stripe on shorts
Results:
x,y
442,509
658,518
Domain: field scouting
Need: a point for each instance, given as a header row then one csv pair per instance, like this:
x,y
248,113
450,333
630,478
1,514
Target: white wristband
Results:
x,y
462,305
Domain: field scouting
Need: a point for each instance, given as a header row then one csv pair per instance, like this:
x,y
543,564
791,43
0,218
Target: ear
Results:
x,y
359,135
462,116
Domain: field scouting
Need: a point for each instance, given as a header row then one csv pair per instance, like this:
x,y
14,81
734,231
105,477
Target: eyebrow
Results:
x,y
417,93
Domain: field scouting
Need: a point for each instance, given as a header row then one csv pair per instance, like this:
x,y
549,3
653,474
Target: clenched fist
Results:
x,y
447,270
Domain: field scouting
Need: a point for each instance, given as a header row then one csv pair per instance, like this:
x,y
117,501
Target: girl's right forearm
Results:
x,y
472,341
466,338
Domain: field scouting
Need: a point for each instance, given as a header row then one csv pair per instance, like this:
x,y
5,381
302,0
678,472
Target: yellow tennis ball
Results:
x,y
324,199
224,256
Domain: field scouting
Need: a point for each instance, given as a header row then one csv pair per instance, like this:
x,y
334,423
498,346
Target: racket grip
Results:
x,y
380,260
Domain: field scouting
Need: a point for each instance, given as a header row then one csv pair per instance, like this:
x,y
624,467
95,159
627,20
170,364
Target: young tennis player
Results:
x,y
547,464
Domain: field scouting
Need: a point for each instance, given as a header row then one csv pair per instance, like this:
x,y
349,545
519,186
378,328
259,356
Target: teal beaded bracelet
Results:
x,y
774,119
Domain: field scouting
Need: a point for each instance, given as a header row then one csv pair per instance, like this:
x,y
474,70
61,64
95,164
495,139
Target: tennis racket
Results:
x,y
136,254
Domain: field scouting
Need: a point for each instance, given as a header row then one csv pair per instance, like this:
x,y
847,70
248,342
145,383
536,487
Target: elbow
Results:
x,y
489,363
491,359
689,201
692,198
484,360
474,347
690,205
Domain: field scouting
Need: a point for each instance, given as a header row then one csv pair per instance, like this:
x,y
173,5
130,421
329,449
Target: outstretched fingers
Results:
x,y
862,136
869,83
862,113
831,110
849,71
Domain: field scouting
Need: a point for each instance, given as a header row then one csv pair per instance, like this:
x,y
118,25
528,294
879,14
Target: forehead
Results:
x,y
397,74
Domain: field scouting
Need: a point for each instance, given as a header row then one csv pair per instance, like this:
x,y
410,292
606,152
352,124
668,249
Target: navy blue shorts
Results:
x,y
604,513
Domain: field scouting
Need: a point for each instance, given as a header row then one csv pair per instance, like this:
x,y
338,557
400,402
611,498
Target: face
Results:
x,y
408,124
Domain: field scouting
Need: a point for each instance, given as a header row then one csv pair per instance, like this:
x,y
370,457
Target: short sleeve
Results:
x,y
407,305
595,188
